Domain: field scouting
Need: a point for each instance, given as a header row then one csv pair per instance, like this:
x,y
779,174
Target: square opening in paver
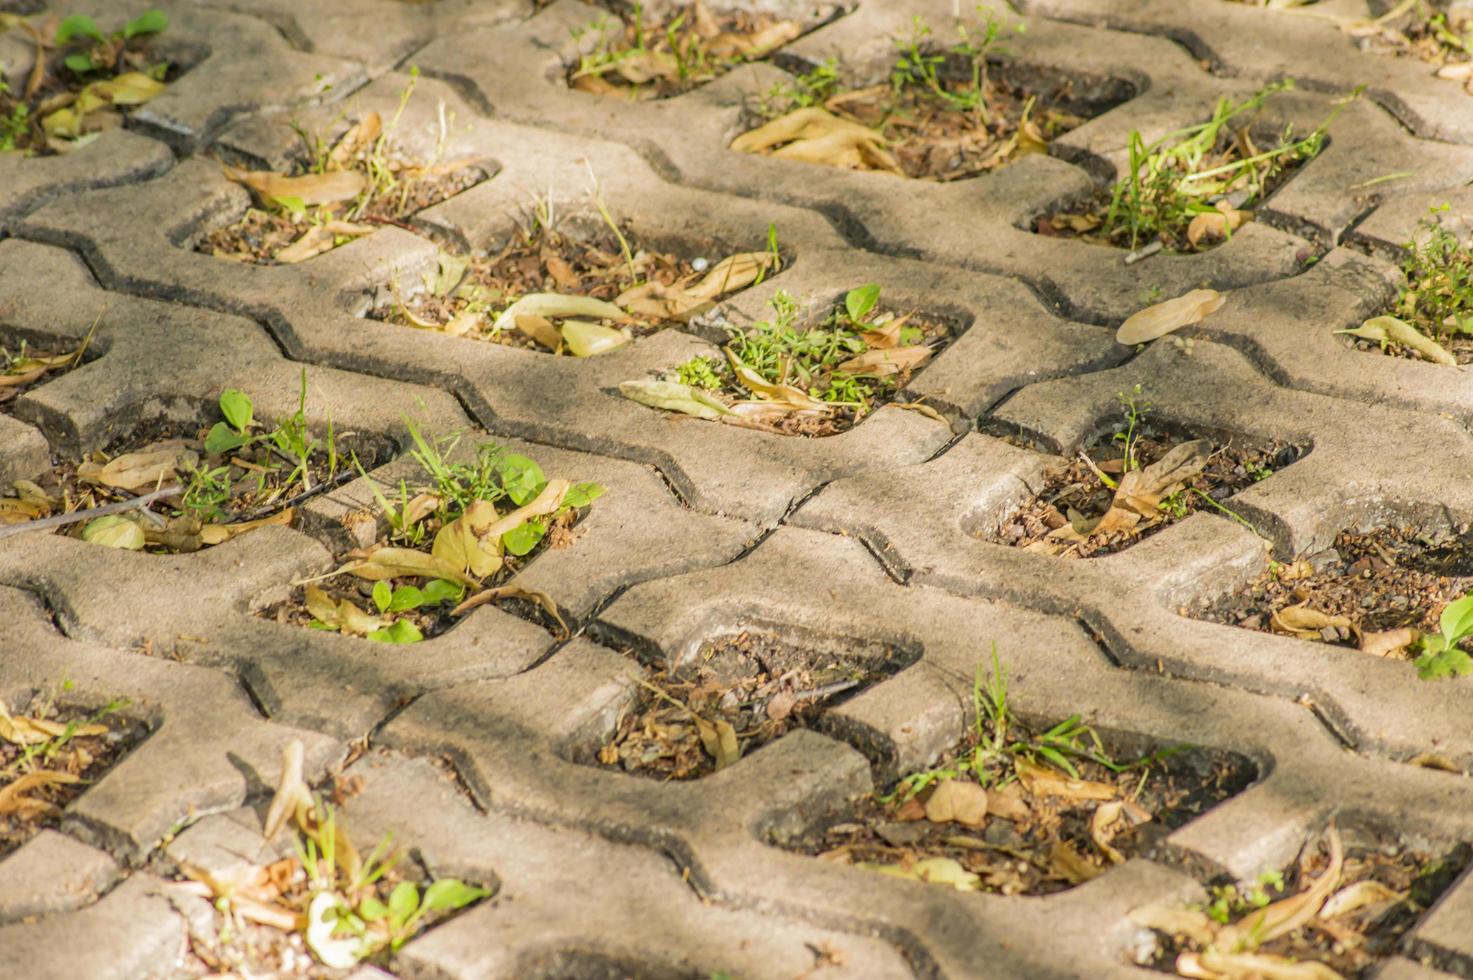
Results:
x,y
1355,896
929,111
1139,477
1189,190
1018,809
320,904
1385,590
1432,315
89,78
51,750
173,486
797,373
734,694
340,188
660,48
576,285
453,535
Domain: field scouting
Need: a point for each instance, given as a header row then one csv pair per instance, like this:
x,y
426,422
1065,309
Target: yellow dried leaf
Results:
x,y
885,363
586,339
316,241
1042,781
1389,643
1301,621
1390,329
358,138
13,797
1162,318
957,800
326,188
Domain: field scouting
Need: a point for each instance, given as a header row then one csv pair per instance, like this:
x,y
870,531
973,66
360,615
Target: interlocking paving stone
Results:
x,y
876,535
52,873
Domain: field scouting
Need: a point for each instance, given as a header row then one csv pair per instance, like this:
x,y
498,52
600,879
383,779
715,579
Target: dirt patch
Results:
x,y
1384,579
1439,38
934,120
261,235
26,366
50,753
1075,495
654,51
758,684
1382,890
652,288
1035,829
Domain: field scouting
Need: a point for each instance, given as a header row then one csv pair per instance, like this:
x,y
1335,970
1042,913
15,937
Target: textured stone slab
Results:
x,y
52,873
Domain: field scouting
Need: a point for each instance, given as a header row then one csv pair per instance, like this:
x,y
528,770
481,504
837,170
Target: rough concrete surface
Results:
x,y
466,747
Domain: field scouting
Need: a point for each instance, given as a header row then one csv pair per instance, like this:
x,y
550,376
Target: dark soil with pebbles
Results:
x,y
758,683
1073,491
1379,580
1039,836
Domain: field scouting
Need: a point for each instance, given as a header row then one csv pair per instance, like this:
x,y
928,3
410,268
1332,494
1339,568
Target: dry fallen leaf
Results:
x,y
148,468
884,363
961,801
1216,225
1042,781
1389,643
813,135
310,189
1390,329
1301,621
1067,863
293,797
13,798
1162,318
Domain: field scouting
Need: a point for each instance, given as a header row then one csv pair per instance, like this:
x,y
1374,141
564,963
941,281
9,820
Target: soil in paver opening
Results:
x,y
921,135
253,478
68,108
432,618
239,943
260,236
545,260
1165,201
808,361
79,743
25,366
1440,38
1073,494
757,683
654,51
1383,579
1042,832
1353,944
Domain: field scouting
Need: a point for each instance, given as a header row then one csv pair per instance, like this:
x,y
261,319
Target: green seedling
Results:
x,y
234,431
998,739
813,87
92,49
1441,654
1230,902
919,65
1135,406
352,922
1170,181
1437,298
700,372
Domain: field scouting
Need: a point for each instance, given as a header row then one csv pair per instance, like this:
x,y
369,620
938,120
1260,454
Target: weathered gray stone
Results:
x,y
52,873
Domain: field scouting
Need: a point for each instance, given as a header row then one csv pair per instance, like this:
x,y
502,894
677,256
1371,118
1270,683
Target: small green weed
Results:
x,y
1181,175
1441,656
1437,298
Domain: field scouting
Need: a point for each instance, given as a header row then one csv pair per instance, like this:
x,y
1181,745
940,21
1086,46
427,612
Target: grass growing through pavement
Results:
x,y
944,113
1433,314
1189,188
464,523
643,56
341,191
783,376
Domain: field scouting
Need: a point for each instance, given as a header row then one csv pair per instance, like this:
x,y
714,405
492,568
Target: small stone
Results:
x,y
1322,560
700,263
1329,634
1254,622
902,834
1001,834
